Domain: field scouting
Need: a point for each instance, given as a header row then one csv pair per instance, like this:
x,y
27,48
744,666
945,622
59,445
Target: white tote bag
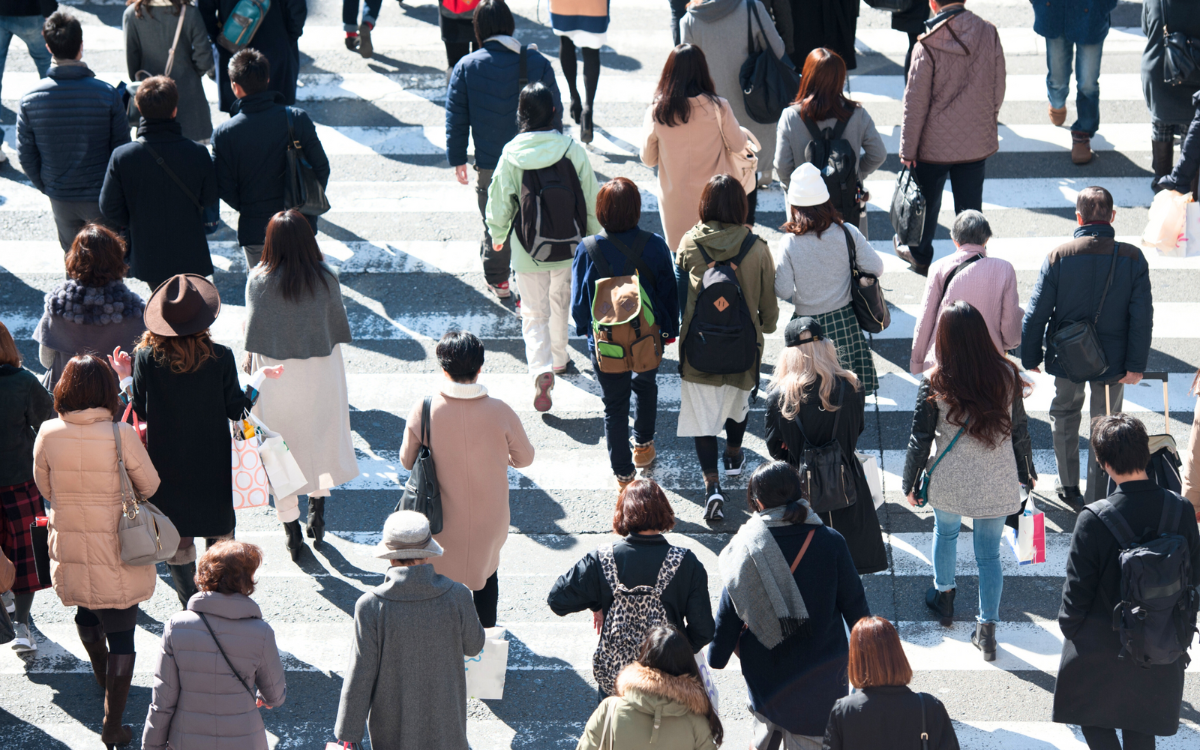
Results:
x,y
710,687
282,469
870,466
486,670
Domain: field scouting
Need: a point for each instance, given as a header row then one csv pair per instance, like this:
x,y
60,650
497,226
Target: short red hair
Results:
x,y
643,506
228,567
876,657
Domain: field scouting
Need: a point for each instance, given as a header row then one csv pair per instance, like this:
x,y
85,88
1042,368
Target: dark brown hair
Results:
x,y
251,70
291,251
876,657
1120,441
821,84
668,651
618,205
139,5
228,567
492,18
975,381
460,354
63,35
684,76
724,200
157,97
87,382
182,354
643,506
817,218
9,353
96,257
1094,204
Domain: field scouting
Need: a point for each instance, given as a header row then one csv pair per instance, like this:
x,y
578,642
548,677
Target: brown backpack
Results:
x,y
623,328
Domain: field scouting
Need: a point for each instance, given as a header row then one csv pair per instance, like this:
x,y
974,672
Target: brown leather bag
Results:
x,y
626,336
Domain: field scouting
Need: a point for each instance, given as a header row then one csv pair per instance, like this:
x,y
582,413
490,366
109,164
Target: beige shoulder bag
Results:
x,y
741,165
174,44
146,536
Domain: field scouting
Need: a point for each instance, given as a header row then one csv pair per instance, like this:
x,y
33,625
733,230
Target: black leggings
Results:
x,y
456,51
1099,738
487,599
118,643
24,603
706,447
591,69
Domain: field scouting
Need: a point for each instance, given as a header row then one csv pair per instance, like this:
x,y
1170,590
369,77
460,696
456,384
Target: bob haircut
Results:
x,y
228,567
724,200
87,382
618,205
9,353
774,484
96,257
643,506
492,18
460,354
876,657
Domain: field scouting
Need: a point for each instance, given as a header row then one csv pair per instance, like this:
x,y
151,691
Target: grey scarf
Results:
x,y
759,580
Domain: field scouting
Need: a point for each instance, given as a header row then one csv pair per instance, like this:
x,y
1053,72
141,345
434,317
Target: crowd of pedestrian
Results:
x,y
133,413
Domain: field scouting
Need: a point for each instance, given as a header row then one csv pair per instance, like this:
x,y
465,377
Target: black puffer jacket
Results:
x,y
67,128
24,405
1183,178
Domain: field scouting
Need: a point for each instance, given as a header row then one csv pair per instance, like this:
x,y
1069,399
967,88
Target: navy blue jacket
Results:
x,y
481,101
1068,290
250,149
1181,178
1079,21
663,293
67,128
796,683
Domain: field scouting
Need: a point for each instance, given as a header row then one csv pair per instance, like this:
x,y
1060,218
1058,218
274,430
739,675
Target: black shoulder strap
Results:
x,y
291,129
924,725
1169,523
837,414
851,249
171,173
634,255
839,130
426,409
750,17
813,130
952,274
222,650
1114,521
522,67
593,250
747,246
707,258
1112,266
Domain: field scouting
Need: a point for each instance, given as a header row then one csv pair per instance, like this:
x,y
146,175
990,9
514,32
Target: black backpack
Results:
x,y
828,479
551,215
721,337
829,152
1156,616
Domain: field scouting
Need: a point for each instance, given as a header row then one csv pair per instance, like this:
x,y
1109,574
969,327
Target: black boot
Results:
x,y
941,602
316,519
92,637
1162,160
295,539
985,639
184,578
576,107
585,125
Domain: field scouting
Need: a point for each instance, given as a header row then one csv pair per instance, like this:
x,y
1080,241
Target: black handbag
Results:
x,y
302,191
421,491
1076,345
828,478
908,209
870,308
1181,55
39,541
769,83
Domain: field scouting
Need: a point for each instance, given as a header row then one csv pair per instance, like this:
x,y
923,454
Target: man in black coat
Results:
x,y
277,37
1070,288
67,128
161,203
1097,690
250,150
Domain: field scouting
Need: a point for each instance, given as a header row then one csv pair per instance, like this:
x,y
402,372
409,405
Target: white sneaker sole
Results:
x,y
713,509
22,646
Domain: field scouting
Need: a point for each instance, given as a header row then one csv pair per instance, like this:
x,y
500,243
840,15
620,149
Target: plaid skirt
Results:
x,y
853,350
22,505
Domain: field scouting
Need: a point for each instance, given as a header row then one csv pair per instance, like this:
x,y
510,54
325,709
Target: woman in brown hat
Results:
x,y
185,388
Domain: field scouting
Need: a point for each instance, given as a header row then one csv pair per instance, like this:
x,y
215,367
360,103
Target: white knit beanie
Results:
x,y
807,187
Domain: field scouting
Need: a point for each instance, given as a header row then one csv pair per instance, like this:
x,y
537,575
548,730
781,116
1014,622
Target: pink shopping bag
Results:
x,y
249,476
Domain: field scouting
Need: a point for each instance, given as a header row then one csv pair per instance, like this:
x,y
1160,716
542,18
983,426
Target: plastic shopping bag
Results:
x,y
710,686
1028,540
1165,222
249,477
282,470
1191,229
486,670
870,466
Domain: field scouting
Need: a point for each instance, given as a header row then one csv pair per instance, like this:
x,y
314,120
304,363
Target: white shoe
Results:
x,y
10,602
24,643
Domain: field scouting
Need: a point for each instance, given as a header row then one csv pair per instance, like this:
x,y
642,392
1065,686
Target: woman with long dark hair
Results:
x,y
791,591
295,318
970,405
688,129
660,702
149,33
544,286
821,105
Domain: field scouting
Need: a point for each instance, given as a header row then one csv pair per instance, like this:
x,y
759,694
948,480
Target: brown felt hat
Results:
x,y
182,305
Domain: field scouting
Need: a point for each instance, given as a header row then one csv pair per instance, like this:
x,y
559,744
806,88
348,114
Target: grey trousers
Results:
x,y
1066,412
253,255
495,264
71,216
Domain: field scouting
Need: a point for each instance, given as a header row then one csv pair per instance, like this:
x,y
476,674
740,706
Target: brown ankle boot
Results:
x,y
116,693
97,649
1162,160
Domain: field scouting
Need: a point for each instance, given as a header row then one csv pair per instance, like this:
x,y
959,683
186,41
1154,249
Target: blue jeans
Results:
x,y
987,558
29,30
1087,81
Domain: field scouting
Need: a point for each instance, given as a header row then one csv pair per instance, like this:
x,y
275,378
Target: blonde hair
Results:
x,y
801,366
182,354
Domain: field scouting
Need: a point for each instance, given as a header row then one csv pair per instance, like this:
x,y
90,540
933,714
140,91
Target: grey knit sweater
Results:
x,y
294,329
973,480
814,273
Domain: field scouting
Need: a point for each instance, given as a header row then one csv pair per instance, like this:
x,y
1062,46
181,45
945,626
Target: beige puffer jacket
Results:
x,y
75,468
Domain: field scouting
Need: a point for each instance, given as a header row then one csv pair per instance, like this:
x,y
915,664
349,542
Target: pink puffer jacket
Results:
x,y
954,92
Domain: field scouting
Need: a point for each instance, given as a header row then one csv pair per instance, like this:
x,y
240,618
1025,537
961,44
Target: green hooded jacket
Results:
x,y
651,711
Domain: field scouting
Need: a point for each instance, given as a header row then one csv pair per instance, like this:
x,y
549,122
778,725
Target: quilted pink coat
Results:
x,y
954,92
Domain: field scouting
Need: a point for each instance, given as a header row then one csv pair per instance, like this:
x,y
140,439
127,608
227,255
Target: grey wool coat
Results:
x,y
197,703
406,678
147,46
719,27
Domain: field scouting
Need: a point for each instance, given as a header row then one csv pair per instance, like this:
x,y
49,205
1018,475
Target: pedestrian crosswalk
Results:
x,y
405,239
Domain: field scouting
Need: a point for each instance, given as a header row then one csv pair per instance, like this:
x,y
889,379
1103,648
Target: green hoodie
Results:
x,y
535,150
652,711
756,276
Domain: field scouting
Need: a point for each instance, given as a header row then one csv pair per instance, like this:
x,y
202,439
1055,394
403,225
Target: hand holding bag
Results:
x,y
908,209
421,491
866,296
302,190
1076,344
740,165
145,534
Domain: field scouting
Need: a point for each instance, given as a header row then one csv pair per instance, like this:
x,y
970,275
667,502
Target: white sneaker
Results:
x,y
24,643
10,602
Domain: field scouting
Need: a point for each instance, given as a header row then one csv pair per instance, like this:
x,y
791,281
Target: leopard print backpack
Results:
x,y
633,612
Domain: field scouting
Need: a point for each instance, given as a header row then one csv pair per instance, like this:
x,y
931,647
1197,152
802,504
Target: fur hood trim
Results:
x,y
684,690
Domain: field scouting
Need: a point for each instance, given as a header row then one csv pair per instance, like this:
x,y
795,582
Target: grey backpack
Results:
x,y
1156,616
633,612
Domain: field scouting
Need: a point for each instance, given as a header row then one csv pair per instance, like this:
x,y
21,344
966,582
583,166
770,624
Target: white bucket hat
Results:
x,y
807,188
406,537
